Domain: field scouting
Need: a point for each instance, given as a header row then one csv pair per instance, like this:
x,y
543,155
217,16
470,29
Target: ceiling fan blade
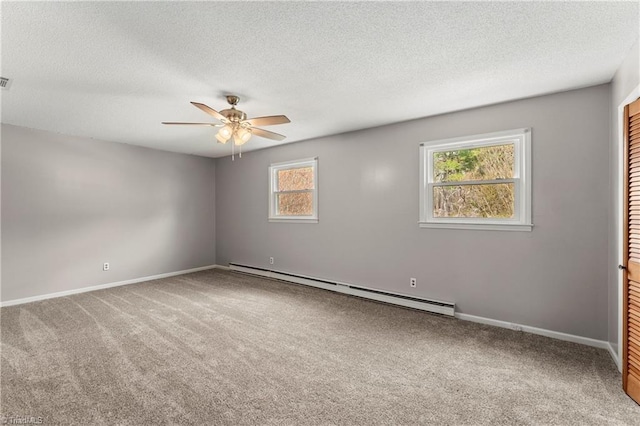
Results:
x,y
210,111
267,134
188,124
268,121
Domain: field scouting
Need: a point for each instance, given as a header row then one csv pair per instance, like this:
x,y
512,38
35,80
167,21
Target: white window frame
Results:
x,y
521,138
273,185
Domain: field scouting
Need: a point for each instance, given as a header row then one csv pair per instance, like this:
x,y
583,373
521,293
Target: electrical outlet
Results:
x,y
271,261
413,282
105,266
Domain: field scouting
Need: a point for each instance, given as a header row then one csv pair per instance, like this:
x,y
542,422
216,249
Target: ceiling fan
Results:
x,y
235,123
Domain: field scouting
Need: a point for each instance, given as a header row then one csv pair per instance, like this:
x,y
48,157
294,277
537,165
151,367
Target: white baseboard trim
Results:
x,y
535,330
615,356
103,286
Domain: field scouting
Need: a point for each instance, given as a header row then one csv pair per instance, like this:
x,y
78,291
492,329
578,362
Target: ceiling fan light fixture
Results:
x,y
242,136
221,139
225,132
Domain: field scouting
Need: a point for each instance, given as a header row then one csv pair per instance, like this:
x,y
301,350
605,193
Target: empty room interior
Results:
x,y
315,213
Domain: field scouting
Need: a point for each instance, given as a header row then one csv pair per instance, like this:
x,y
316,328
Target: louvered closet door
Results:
x,y
631,290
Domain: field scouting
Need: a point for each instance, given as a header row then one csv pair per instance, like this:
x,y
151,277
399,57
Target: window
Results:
x,y
293,190
477,182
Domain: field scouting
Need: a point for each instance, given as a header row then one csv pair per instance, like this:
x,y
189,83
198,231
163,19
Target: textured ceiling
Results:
x,y
114,71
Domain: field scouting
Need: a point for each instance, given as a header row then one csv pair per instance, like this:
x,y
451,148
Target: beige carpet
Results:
x,y
219,348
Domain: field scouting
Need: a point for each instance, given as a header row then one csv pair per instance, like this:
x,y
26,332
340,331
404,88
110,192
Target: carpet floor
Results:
x,y
221,348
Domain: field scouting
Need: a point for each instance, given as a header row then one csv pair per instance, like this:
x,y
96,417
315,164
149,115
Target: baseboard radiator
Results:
x,y
436,306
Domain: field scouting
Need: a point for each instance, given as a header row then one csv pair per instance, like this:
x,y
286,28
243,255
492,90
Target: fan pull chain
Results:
x,y
233,155
240,149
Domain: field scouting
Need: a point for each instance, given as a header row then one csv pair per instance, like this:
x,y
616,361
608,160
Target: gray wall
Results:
x,y
554,277
626,79
69,204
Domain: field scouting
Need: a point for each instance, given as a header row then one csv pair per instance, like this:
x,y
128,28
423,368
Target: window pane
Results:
x,y
489,201
295,204
486,163
295,179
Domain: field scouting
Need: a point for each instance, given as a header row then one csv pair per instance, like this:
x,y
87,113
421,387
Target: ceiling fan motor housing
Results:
x,y
234,115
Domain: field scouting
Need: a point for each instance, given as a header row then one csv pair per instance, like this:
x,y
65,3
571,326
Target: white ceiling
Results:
x,y
114,71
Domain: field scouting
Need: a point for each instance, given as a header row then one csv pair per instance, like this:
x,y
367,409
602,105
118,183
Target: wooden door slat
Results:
x,y
635,370
634,155
634,349
634,332
634,361
635,299
634,322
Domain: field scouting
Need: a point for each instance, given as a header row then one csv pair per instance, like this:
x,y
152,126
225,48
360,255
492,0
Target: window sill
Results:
x,y
478,226
293,220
